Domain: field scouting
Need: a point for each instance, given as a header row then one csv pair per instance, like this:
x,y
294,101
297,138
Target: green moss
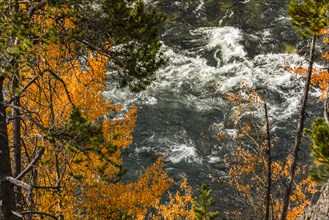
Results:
x,y
288,48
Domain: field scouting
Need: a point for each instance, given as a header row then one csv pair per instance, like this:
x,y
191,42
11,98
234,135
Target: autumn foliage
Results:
x,y
74,131
320,74
66,113
248,164
179,206
54,74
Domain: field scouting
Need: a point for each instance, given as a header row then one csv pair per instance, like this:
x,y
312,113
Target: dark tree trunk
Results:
x,y
300,127
7,195
16,123
269,160
16,131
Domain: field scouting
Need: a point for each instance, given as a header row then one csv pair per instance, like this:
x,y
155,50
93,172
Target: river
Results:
x,y
214,47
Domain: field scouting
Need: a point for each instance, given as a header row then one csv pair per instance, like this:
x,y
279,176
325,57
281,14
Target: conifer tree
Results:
x,y
320,148
203,202
308,17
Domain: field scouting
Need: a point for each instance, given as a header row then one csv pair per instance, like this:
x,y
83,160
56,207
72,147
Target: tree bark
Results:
x,y
16,131
16,111
300,127
17,167
269,160
7,195
326,109
16,121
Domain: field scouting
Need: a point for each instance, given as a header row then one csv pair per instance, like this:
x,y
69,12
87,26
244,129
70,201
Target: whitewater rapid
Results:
x,y
191,82
185,105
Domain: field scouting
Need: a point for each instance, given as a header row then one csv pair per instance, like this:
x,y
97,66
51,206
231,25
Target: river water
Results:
x,y
214,47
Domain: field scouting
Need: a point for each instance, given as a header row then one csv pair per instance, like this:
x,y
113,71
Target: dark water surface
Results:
x,y
214,47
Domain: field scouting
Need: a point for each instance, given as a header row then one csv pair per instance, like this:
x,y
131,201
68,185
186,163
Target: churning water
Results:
x,y
214,47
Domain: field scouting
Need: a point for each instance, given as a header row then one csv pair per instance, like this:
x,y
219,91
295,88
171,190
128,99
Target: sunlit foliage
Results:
x,y
248,165
179,206
71,135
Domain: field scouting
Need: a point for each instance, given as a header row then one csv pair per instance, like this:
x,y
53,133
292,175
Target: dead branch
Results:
x,y
19,183
42,213
31,165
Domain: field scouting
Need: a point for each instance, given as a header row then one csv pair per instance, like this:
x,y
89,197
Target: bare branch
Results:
x,y
17,214
19,183
47,187
299,132
64,84
42,213
31,165
24,88
30,118
269,165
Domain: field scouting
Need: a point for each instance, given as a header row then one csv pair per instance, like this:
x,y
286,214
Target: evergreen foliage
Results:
x,y
320,148
126,31
78,131
309,16
134,44
203,203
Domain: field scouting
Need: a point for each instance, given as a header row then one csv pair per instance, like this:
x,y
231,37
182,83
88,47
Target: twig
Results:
x,y
47,187
31,165
19,215
24,88
19,183
42,213
64,84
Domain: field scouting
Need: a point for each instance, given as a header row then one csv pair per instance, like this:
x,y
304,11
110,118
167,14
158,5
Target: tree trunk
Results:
x,y
16,131
269,160
16,123
300,127
15,111
7,195
326,109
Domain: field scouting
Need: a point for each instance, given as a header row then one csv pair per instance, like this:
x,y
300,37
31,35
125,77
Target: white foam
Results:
x,y
189,80
183,152
175,148
214,159
226,38
231,132
203,85
200,6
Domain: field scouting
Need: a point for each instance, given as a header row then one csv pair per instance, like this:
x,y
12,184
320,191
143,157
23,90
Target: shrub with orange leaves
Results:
x,y
65,107
320,75
81,163
248,175
115,200
179,206
248,168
